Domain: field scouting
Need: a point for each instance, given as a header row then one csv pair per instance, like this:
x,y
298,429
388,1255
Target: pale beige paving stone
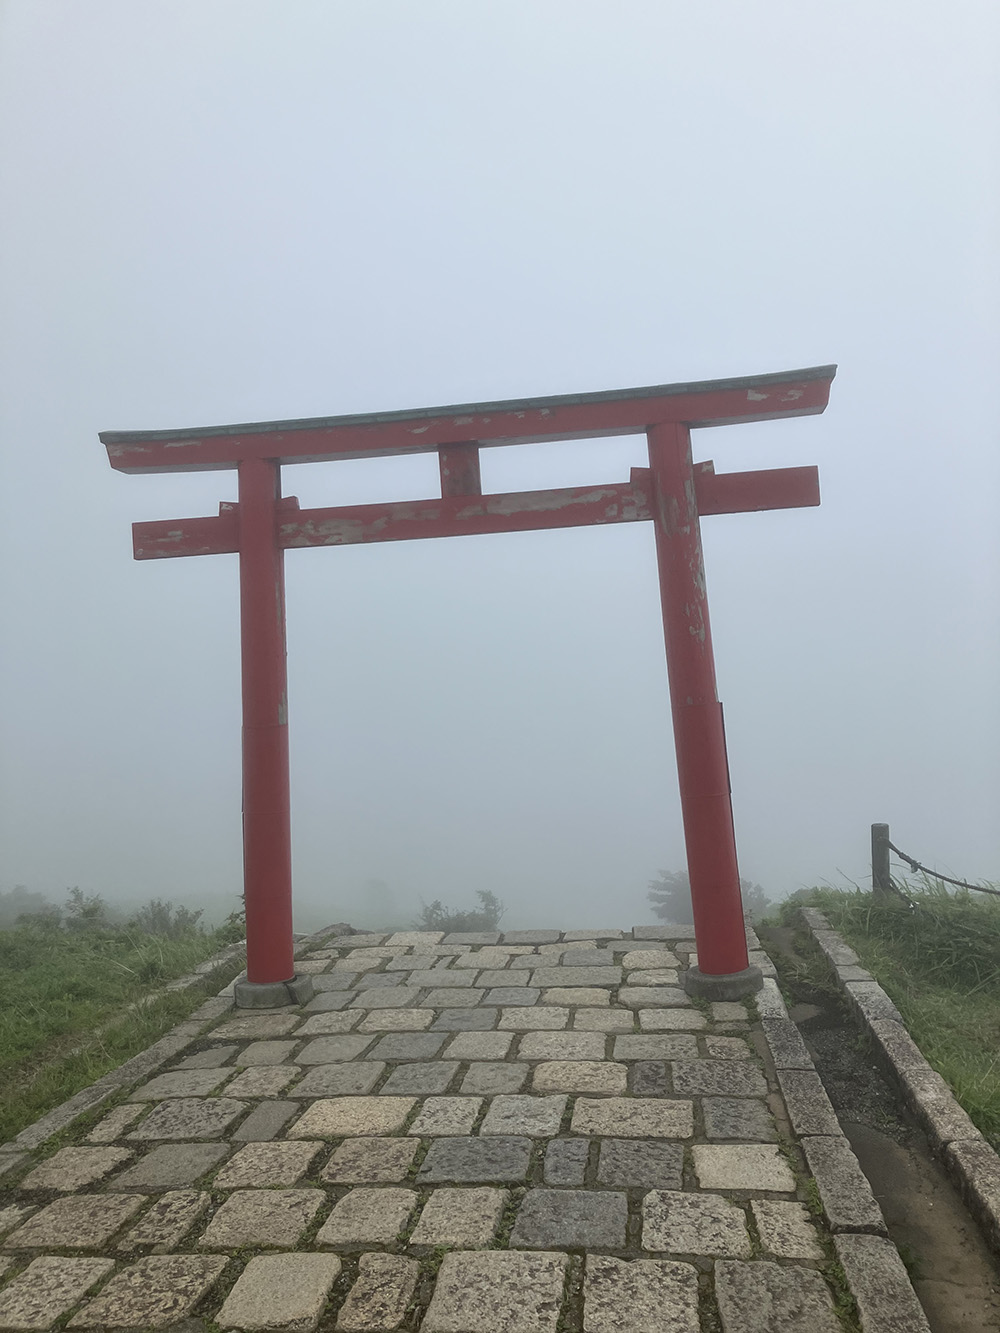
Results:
x,y
562,1046
330,1050
366,955
531,1019
728,1011
368,1216
397,1020
14,1214
603,1020
688,1223
489,1078
577,995
653,997
343,1080
370,1161
463,1218
280,1291
266,1053
379,1299
785,1230
634,1118
263,1081
79,1222
258,1026
410,962
311,965
348,1117
764,1297
643,959
446,1116
168,1220
656,1046
326,1025
189,1118
387,997
115,1123
727,1048
73,1168
536,1117
414,938
152,1293
563,975
661,976
742,1166
261,1165
639,1296
493,958
455,998
672,1020
497,1291
47,1289
262,1218
478,1046
182,1083
580,1076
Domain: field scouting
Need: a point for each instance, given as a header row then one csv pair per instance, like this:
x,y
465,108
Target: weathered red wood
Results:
x,y
460,471
699,738
187,536
744,492
565,417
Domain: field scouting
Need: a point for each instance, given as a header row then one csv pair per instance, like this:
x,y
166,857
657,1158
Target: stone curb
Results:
x,y
967,1156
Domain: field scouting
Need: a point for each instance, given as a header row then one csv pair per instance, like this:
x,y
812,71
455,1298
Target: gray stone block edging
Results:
x,y
966,1154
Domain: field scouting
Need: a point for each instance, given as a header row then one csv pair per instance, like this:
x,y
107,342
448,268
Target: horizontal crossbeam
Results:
x,y
461,515
514,421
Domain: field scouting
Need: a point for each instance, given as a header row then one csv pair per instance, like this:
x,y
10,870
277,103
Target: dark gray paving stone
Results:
x,y
761,1297
385,997
327,1001
266,1121
587,958
467,1160
406,1046
566,1161
190,1118
640,1164
331,1049
334,981
843,1190
718,1078
565,1219
788,1050
421,1079
488,1078
172,1165
809,1107
663,932
649,1078
607,977
212,1058
495,976
341,1080
740,1118
378,981
531,937
465,1020
508,995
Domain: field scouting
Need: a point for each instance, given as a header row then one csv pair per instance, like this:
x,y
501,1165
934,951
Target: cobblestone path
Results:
x,y
530,1133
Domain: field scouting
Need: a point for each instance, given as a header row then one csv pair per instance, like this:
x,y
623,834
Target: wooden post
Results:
x,y
881,879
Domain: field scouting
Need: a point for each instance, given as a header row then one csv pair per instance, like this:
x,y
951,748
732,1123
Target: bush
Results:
x,y
166,921
435,916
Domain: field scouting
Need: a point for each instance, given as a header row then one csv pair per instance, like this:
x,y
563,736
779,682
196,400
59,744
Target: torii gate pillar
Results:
x,y
673,493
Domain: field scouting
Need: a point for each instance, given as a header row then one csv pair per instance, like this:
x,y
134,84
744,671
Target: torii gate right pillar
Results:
x,y
724,971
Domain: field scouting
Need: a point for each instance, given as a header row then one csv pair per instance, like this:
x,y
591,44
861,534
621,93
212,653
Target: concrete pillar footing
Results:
x,y
727,986
274,994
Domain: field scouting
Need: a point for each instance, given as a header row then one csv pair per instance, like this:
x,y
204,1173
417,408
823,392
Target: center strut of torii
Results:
x,y
672,493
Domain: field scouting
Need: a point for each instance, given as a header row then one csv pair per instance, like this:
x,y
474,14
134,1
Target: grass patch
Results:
x,y
939,961
76,999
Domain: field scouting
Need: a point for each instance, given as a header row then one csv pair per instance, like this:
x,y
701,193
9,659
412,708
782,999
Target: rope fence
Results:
x,y
882,881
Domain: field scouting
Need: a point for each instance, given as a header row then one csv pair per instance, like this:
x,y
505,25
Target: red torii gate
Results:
x,y
672,493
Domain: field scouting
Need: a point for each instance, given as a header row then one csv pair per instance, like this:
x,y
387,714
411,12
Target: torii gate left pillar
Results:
x,y
673,493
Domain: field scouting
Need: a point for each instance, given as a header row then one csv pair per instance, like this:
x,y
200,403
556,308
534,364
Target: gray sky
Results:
x,y
235,210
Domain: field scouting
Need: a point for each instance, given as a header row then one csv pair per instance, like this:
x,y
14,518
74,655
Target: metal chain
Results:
x,y
915,866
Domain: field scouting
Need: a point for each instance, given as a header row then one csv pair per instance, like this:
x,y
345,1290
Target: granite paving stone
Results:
x,y
14,1214
262,1217
587,1076
421,1078
487,937
656,1046
444,1116
47,1289
172,1165
379,981
671,932
576,976
190,1118
330,1050
476,1160
78,1222
738,1118
406,1046
653,1295
727,1048
785,1230
512,995
370,1161
466,1218
788,1050
151,1293
497,1290
718,1078
512,980
581,956
566,1161
561,1046
728,1011
809,1107
252,1025
410,962
385,997
72,1168
577,995
560,1219
263,1081
880,1285
181,1083
610,934
689,1223
549,1018
537,1117
414,938
454,1000
265,1121
397,1020
649,1078
210,1058
327,1001
663,976
488,1078
368,1216
168,1220
379,1299
653,997
742,1166
479,1046
114,1124
334,981
531,937
281,1291
641,1164
764,1297
266,1052
603,1020
672,1020
346,1117
634,1117
643,959
443,978
260,1165
484,959
843,1189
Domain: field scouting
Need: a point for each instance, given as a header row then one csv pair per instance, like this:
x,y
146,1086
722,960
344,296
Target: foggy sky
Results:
x,y
236,210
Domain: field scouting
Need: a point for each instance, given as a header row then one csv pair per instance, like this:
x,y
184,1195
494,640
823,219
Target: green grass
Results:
x,y
939,960
75,1003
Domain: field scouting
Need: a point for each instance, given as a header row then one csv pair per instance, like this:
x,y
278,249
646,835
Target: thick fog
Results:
x,y
239,210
